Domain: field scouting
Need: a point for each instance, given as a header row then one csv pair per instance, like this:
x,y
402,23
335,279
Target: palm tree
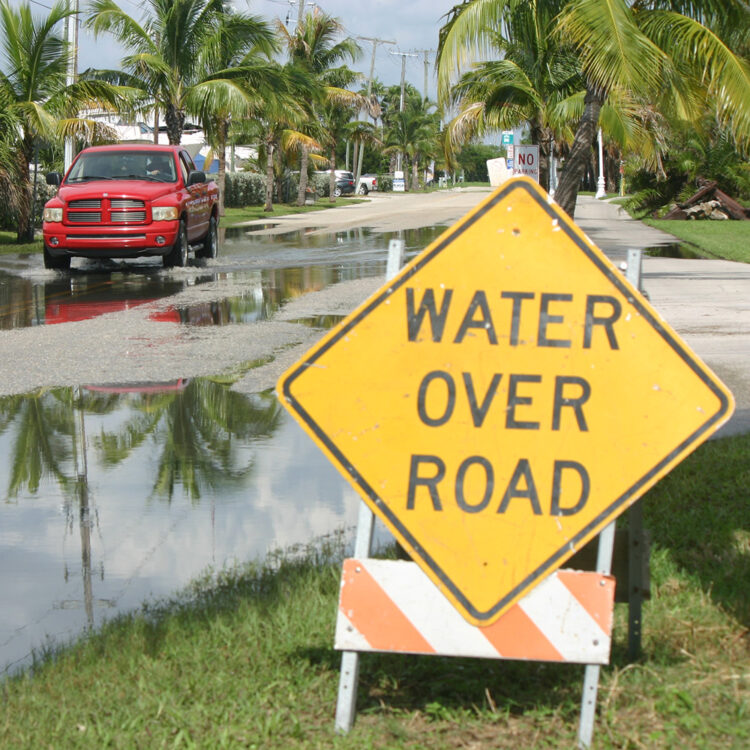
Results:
x,y
530,79
646,48
415,133
165,51
36,99
11,166
313,47
234,77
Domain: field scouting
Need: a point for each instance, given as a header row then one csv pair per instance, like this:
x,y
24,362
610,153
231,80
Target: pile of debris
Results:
x,y
709,203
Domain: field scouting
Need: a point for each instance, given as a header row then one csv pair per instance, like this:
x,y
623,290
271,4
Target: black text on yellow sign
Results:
x,y
502,399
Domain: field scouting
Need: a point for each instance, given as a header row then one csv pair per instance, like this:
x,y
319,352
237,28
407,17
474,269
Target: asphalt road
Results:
x,y
705,301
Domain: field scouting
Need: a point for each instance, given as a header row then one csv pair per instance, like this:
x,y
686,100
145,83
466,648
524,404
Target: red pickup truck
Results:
x,y
127,201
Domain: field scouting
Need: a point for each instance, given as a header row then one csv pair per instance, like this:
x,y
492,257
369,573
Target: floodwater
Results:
x,y
112,495
676,250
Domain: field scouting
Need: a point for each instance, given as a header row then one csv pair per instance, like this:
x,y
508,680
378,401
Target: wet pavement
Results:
x,y
114,493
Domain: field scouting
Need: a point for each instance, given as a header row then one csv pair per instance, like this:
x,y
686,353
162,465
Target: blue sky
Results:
x,y
412,24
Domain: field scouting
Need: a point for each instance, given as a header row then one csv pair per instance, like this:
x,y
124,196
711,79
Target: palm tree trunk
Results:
x,y
539,136
175,123
332,178
156,124
415,173
25,231
223,131
302,192
269,177
580,152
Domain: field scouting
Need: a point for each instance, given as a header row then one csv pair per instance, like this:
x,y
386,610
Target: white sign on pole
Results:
x,y
526,161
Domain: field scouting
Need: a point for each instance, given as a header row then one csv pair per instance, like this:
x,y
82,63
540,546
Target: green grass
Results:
x,y
244,659
9,246
729,240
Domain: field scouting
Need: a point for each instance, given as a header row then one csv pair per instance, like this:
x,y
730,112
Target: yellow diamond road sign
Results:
x,y
503,398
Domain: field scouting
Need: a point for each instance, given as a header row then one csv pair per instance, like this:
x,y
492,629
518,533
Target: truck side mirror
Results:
x,y
54,178
196,177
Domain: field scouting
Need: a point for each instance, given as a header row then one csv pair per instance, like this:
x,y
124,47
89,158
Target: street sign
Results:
x,y
526,162
503,399
507,137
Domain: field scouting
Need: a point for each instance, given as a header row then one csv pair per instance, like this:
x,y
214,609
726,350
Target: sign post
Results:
x,y
482,401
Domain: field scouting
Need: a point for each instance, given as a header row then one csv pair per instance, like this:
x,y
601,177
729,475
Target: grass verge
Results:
x,y
9,246
729,240
244,659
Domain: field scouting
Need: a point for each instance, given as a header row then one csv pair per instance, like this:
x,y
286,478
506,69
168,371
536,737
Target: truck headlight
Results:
x,y
164,213
52,214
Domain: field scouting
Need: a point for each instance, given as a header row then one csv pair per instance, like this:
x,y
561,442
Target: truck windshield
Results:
x,y
124,165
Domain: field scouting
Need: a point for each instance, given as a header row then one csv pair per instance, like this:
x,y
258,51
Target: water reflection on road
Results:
x,y
114,494
110,494
272,270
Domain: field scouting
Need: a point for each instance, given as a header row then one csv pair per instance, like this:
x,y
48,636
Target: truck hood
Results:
x,y
137,189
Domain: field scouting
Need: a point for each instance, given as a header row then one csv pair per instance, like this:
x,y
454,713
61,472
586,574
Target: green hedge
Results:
x,y
249,188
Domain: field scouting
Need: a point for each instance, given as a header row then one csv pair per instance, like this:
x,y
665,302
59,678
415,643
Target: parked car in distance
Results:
x,y
367,182
344,183
127,201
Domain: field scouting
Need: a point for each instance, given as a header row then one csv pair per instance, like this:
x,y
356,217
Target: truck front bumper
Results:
x,y
109,241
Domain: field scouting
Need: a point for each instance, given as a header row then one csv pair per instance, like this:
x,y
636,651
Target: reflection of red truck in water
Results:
x,y
131,201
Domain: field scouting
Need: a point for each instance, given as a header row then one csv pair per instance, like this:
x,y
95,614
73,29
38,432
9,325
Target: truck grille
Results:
x,y
132,217
93,203
107,211
126,203
85,217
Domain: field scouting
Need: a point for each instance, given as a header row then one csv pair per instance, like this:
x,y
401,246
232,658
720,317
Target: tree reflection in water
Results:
x,y
198,433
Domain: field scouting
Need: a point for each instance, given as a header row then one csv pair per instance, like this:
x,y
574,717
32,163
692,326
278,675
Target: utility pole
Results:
x,y
426,53
300,11
404,55
375,41
71,37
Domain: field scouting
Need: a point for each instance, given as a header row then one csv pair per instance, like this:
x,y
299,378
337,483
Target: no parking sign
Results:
x,y
526,162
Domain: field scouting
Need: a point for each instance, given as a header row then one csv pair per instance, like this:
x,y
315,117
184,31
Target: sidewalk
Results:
x,y
706,301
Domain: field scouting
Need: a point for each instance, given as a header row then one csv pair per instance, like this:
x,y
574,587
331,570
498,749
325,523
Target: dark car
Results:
x,y
344,183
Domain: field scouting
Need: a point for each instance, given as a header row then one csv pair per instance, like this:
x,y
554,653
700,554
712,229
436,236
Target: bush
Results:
x,y
244,189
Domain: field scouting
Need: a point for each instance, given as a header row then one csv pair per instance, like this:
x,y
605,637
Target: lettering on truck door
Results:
x,y
198,206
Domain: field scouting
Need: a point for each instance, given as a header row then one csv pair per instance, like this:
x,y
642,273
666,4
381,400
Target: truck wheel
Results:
x,y
363,189
210,246
178,255
56,263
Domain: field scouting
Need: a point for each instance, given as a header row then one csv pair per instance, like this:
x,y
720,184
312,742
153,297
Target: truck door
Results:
x,y
198,205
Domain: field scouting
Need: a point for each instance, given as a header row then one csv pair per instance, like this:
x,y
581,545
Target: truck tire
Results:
x,y
56,263
363,189
178,255
210,246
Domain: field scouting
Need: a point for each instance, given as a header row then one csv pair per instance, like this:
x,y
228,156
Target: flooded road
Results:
x,y
116,492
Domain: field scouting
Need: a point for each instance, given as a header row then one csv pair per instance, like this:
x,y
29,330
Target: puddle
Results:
x,y
319,321
114,494
676,250
288,265
255,227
